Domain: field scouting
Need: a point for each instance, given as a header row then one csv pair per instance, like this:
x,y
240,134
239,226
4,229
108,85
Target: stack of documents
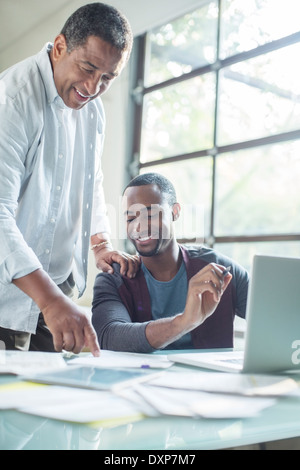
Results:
x,y
236,384
214,395
177,402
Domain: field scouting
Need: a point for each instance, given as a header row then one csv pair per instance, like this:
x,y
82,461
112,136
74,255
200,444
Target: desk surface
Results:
x,y
22,431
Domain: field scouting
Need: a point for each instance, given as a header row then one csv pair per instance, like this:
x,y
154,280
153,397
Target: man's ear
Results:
x,y
59,47
176,211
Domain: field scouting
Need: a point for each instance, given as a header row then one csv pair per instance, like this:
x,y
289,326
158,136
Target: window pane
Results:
x,y
257,191
179,119
183,45
260,97
192,180
243,253
247,24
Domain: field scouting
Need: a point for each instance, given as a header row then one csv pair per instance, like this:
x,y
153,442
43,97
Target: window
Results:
x,y
217,111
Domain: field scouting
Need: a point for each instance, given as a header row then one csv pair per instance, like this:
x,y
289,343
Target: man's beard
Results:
x,y
149,254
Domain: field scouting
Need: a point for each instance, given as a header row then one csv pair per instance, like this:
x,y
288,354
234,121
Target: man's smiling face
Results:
x,y
87,71
149,219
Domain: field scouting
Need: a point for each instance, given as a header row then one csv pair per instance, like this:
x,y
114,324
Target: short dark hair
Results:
x,y
165,186
101,20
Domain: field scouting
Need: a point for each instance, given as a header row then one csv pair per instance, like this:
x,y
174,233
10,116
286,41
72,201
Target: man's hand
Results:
x,y
204,294
71,329
105,257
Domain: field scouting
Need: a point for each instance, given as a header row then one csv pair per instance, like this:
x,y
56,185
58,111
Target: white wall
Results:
x,y
26,25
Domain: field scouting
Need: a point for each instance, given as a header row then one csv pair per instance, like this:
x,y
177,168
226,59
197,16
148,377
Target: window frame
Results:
x,y
140,91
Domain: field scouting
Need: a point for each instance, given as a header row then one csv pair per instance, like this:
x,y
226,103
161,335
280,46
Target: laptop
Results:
x,y
272,342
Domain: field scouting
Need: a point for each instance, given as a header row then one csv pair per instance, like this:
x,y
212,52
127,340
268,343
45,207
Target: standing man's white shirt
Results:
x,y
39,164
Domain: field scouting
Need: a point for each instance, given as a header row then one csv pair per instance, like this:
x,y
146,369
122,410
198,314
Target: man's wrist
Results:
x,y
101,241
101,244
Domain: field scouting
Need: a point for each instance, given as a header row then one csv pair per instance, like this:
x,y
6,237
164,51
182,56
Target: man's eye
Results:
x,y
89,71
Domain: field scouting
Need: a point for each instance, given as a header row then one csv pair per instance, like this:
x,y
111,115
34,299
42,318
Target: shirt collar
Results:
x,y
44,65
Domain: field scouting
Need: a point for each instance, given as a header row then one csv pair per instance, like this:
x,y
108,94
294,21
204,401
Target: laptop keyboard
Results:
x,y
233,361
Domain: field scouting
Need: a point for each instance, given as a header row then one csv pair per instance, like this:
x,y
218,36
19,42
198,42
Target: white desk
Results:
x,y
21,431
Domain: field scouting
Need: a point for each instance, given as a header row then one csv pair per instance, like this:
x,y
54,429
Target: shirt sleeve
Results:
x,y
112,321
17,259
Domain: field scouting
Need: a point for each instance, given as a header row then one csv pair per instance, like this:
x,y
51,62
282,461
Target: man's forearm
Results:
x,y
39,287
161,333
71,329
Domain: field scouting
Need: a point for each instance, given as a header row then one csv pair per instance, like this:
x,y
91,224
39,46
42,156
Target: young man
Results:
x,y
182,297
51,196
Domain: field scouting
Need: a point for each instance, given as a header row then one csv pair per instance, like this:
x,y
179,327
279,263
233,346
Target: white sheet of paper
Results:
x,y
109,359
207,405
67,404
240,384
28,362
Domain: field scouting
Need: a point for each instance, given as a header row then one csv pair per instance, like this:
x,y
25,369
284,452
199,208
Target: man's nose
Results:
x,y
93,85
137,226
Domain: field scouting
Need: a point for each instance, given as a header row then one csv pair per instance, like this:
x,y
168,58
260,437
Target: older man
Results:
x,y
51,197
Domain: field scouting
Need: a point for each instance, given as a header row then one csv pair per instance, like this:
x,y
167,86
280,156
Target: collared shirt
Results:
x,y
51,195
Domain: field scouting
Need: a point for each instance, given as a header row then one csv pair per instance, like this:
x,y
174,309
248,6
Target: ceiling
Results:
x,y
26,25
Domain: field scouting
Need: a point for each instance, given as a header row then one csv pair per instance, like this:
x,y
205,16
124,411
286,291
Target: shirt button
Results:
x,y
47,251
60,156
58,188
52,221
91,146
92,115
87,206
90,176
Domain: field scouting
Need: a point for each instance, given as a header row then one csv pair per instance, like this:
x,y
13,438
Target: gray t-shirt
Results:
x,y
168,299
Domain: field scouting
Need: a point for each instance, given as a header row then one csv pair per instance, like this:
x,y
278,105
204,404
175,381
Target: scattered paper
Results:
x,y
240,384
28,362
111,359
207,405
68,404
133,396
187,393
